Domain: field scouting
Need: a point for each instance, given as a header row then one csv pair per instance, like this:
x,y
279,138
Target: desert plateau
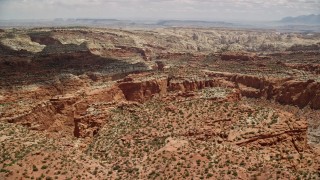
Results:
x,y
159,103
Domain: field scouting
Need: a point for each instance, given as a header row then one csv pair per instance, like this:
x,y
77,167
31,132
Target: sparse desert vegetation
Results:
x,y
166,103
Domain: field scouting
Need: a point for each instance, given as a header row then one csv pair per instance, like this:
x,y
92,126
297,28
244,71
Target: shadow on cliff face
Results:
x,y
22,68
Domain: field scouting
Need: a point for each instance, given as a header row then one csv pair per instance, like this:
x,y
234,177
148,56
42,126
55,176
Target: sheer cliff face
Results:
x,y
151,104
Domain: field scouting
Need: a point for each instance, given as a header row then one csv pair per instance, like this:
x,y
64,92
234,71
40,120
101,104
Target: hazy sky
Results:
x,y
158,9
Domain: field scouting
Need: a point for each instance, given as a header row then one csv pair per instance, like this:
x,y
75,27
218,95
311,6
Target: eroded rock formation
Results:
x,y
243,56
285,91
145,103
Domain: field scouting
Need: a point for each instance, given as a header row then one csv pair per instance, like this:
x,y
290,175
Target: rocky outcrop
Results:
x,y
186,85
53,115
174,56
44,38
299,47
298,93
145,53
143,90
87,118
243,56
160,65
76,111
6,50
314,68
292,135
284,91
292,138
81,112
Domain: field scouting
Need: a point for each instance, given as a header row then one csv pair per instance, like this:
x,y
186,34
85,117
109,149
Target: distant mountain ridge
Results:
x,y
304,19
193,23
